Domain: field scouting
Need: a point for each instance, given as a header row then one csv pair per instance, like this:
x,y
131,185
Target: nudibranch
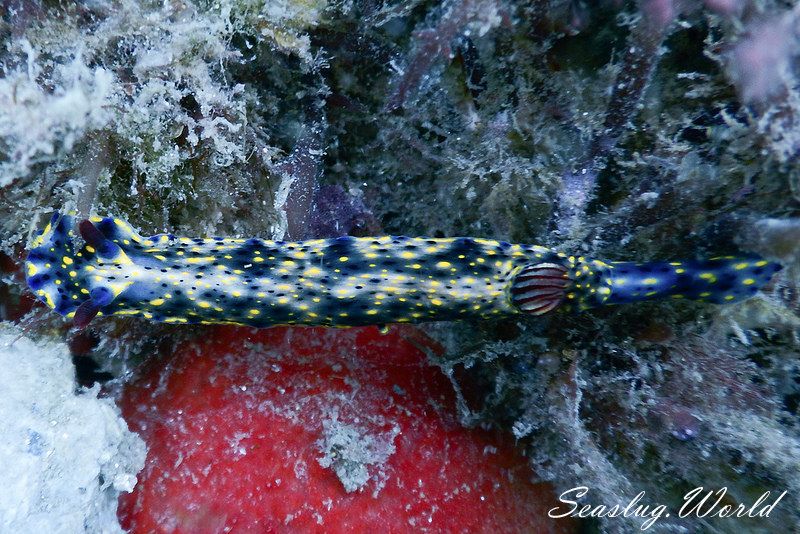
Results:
x,y
101,266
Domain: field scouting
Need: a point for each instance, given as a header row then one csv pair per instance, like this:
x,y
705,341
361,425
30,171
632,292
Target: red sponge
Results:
x,y
318,430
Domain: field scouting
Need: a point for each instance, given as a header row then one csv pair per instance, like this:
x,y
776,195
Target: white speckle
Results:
x,y
648,198
300,470
355,455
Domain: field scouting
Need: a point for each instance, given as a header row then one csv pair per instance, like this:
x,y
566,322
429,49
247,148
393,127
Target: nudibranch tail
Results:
x,y
719,280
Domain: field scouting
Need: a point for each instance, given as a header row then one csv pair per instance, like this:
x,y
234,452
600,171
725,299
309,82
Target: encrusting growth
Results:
x,y
346,281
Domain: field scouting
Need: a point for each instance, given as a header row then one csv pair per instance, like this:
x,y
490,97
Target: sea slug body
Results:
x,y
346,281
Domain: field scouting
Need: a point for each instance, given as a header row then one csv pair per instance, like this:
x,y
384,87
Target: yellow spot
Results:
x,y
436,302
705,294
407,254
344,259
258,259
443,264
761,263
729,297
73,274
748,281
203,304
372,312
740,266
680,271
236,294
650,281
254,312
708,276
416,266
160,257
67,260
202,259
157,302
604,291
